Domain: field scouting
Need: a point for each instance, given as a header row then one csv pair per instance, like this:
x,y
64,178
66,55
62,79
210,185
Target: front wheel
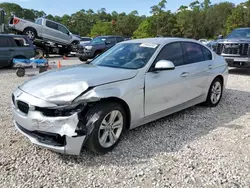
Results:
x,y
83,59
214,93
108,121
74,46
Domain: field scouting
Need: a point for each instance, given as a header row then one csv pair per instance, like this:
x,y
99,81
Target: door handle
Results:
x,y
11,50
210,66
184,74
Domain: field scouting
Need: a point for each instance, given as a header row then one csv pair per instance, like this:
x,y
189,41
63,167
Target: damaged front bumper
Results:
x,y
55,133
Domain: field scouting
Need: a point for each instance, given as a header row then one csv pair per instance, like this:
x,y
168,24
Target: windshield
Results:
x,y
239,33
98,40
126,55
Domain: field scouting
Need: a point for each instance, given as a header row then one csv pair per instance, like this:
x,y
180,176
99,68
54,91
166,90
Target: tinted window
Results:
x,y
111,40
62,29
4,42
51,25
119,39
172,52
21,42
207,54
194,52
240,33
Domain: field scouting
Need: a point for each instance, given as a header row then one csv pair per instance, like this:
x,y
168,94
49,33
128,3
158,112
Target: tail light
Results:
x,y
16,21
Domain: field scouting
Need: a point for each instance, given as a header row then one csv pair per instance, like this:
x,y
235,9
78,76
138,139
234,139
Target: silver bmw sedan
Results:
x,y
131,84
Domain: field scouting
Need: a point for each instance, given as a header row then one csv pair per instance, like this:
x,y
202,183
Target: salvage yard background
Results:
x,y
198,147
199,19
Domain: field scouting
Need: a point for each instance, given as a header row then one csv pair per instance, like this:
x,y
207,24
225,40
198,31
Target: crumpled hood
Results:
x,y
61,86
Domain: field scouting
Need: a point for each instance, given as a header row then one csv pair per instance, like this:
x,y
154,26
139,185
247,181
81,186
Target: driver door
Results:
x,y
166,88
64,34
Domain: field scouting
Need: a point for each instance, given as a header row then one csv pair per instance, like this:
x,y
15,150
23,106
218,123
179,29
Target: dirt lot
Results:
x,y
198,147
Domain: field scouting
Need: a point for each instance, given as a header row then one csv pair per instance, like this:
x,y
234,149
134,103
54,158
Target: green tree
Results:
x,y
237,18
101,28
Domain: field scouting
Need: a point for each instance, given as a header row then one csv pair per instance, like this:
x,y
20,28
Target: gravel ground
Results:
x,y
198,147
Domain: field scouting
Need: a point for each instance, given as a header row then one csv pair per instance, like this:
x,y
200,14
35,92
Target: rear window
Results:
x,y
21,42
4,42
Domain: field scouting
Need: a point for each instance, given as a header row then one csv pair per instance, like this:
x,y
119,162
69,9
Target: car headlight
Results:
x,y
88,47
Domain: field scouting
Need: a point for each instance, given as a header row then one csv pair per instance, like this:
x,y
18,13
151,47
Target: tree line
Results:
x,y
197,20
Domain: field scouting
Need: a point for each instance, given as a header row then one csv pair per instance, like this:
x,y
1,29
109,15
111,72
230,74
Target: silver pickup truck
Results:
x,y
45,29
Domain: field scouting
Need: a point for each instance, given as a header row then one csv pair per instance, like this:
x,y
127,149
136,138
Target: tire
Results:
x,y
97,54
31,33
103,111
20,72
74,46
40,53
43,69
215,93
83,59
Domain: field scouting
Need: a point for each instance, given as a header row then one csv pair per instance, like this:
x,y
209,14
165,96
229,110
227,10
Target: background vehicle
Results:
x,y
85,40
134,82
235,47
204,41
97,46
15,46
45,29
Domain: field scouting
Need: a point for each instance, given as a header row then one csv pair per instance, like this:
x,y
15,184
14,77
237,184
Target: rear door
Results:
x,y
119,39
5,51
110,42
197,60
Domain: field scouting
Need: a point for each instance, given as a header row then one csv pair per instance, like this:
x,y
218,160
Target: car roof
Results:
x,y
159,40
243,28
106,36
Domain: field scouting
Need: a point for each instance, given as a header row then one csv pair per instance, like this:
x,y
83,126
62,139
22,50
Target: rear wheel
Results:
x,y
215,93
31,33
40,53
108,120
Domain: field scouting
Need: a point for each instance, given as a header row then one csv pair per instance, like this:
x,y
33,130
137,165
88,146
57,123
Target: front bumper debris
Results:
x,y
237,61
55,133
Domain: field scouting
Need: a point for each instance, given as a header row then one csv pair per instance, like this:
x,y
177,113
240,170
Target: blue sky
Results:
x,y
56,7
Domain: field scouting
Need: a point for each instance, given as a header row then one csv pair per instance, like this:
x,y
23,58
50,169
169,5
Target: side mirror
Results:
x,y
164,65
107,42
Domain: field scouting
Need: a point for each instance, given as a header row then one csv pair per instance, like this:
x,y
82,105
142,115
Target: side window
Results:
x,y
119,39
172,52
111,40
63,29
5,42
39,21
51,25
207,54
21,42
194,52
